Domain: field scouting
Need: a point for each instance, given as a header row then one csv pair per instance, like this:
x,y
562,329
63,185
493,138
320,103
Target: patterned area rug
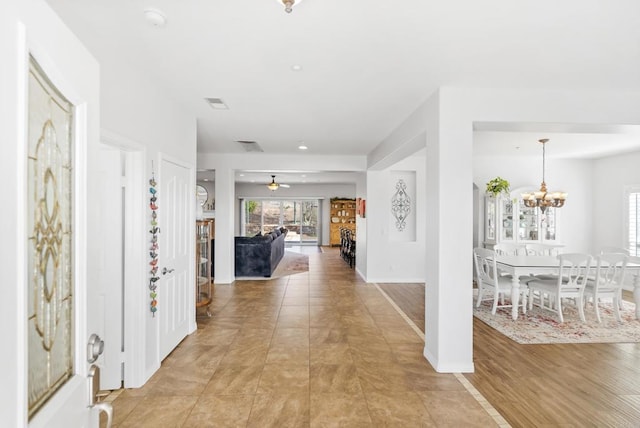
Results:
x,y
542,326
291,264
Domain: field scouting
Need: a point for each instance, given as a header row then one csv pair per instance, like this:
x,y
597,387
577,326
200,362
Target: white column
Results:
x,y
449,196
224,247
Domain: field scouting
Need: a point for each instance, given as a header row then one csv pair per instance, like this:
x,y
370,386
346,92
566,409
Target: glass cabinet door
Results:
x,y
490,219
549,222
528,223
507,220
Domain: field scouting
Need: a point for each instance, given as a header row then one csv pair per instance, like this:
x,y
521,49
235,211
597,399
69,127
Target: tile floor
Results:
x,y
318,349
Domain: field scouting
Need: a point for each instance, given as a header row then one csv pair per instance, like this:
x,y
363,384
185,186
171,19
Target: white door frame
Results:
x,y
135,247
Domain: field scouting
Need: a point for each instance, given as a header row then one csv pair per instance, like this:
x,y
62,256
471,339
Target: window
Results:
x,y
633,220
300,217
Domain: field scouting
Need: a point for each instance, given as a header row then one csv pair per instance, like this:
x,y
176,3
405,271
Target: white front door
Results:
x,y
175,290
61,128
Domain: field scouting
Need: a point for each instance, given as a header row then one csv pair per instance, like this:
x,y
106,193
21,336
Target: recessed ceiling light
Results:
x,y
303,175
241,175
155,17
296,67
302,147
205,179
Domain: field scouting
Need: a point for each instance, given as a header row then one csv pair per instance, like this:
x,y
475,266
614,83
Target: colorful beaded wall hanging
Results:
x,y
153,253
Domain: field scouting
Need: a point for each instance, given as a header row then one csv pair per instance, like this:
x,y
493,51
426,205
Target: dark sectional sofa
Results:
x,y
259,255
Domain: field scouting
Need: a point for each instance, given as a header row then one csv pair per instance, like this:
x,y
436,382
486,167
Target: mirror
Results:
x,y
201,195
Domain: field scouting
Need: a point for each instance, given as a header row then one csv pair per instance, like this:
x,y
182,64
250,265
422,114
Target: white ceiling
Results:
x,y
286,177
366,64
565,141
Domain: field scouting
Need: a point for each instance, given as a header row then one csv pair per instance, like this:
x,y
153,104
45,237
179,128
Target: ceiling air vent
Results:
x,y
216,103
250,146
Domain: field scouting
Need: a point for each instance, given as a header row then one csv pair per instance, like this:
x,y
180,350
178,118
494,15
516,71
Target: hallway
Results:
x,y
318,349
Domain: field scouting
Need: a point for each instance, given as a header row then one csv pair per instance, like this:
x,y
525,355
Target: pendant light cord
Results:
x,y
543,160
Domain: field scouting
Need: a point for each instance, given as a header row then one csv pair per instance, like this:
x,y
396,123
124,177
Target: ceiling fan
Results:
x,y
273,186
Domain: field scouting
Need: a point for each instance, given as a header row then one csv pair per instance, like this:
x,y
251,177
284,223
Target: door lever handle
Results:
x,y
108,409
166,271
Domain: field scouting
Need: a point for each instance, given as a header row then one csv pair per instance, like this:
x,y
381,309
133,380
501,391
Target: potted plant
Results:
x,y
497,185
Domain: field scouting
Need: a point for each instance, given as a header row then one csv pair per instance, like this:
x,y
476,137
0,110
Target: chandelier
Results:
x,y
543,199
288,4
273,186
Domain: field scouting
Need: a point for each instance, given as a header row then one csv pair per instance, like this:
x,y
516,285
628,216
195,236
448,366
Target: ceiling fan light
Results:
x,y
273,186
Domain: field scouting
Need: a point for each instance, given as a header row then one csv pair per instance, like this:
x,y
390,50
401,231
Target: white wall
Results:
x,y
361,229
610,177
134,107
575,176
324,192
389,259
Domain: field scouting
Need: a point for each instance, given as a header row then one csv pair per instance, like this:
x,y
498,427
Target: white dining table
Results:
x,y
518,266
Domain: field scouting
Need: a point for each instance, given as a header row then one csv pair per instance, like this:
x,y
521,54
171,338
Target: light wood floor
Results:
x,y
568,385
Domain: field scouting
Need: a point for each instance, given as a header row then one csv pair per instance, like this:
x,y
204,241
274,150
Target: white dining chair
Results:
x,y
572,278
536,249
508,249
490,282
607,284
615,250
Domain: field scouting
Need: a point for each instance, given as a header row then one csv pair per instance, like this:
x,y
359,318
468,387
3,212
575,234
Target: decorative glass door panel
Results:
x,y
528,223
490,219
507,220
50,241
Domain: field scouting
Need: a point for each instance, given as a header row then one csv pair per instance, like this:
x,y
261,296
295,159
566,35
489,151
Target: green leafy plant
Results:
x,y
497,185
251,206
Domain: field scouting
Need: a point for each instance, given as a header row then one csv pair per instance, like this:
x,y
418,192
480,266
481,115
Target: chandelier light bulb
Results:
x,y
288,5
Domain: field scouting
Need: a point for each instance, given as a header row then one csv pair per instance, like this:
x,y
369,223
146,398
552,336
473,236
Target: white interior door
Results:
x,y
175,291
